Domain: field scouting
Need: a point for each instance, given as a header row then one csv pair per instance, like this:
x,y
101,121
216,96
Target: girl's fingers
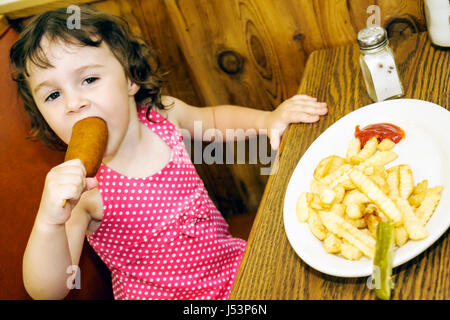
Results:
x,y
70,178
72,166
310,103
311,109
70,170
70,191
91,183
303,117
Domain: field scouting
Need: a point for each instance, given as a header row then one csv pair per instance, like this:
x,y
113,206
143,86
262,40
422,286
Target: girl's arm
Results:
x,y
58,233
47,261
299,108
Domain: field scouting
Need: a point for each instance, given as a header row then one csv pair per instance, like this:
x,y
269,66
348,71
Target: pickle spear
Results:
x,y
382,261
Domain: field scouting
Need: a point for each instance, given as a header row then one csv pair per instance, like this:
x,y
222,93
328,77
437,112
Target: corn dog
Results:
x,y
88,143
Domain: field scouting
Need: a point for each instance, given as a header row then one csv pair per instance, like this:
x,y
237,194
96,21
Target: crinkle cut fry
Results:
x,y
373,192
345,230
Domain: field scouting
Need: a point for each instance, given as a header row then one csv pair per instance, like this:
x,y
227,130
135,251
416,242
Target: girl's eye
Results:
x,y
91,80
52,96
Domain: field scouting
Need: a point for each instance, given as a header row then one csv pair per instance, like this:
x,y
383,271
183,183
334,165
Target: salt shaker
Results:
x,y
378,64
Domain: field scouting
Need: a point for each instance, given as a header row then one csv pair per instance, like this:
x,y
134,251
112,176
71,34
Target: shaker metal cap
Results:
x,y
371,37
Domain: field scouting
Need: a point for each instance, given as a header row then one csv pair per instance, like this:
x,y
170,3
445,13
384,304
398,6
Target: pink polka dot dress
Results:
x,y
162,236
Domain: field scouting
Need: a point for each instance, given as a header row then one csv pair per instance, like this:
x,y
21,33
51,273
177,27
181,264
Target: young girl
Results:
x,y
146,213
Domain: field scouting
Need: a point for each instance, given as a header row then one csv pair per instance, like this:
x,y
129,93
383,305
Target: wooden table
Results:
x,y
270,268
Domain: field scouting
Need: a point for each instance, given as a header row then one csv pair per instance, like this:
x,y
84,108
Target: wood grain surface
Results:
x,y
270,268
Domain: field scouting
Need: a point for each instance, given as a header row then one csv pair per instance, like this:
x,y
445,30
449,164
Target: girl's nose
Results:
x,y
75,102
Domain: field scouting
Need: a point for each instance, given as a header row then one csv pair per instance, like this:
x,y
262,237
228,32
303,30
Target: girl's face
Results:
x,y
85,81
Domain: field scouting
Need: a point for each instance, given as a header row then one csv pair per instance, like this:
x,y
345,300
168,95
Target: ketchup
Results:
x,y
381,131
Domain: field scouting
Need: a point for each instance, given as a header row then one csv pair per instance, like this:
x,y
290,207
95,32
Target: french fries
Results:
x,y
341,228
376,195
429,204
350,196
386,144
406,183
366,152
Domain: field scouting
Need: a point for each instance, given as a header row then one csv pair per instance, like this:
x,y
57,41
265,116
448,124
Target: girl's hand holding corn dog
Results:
x,y
66,181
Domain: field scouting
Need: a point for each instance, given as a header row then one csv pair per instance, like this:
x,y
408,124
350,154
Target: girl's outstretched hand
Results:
x,y
299,108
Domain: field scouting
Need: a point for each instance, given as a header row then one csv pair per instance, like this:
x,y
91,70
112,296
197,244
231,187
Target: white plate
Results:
x,y
426,148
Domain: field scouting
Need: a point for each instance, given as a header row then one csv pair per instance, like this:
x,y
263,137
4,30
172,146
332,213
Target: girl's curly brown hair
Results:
x,y
133,54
